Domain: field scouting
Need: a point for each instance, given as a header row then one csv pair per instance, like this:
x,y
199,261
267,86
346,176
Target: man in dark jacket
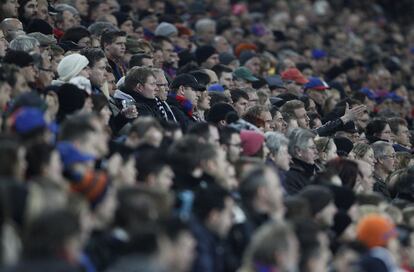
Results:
x,y
385,160
140,85
185,92
212,221
303,151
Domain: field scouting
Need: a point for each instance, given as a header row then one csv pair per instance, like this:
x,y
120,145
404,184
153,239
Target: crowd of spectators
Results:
x,y
206,136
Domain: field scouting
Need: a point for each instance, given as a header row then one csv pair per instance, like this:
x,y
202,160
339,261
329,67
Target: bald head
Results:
x,y
12,28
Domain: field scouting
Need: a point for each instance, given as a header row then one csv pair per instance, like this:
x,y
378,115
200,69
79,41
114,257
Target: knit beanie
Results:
x,y
165,29
375,230
343,145
317,196
71,99
251,141
71,65
202,53
344,197
39,25
218,112
121,17
18,58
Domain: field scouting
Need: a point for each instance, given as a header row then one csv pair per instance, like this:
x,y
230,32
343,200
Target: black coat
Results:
x,y
182,117
299,176
145,106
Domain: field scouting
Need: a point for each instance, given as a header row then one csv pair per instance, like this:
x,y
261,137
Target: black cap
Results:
x,y
19,58
187,80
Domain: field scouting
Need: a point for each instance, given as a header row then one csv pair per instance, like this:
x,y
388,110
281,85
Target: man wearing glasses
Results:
x,y
385,159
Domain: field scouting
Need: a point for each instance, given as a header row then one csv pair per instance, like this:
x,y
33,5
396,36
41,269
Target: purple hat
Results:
x,y
318,54
316,83
370,94
27,119
216,88
70,154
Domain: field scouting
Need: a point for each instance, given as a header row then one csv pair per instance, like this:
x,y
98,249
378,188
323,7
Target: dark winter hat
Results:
x,y
71,99
318,197
29,99
27,119
186,80
226,58
19,58
245,56
202,53
121,17
344,197
343,145
218,112
39,25
202,77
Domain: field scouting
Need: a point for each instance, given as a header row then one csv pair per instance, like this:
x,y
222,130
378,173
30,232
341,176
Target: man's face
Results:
x,y
191,95
148,62
97,73
168,52
279,123
21,85
204,101
30,9
294,88
403,136
149,88
225,218
68,20
82,6
302,118
164,179
309,154
254,65
214,136
10,7
46,74
234,148
274,189
4,44
117,48
30,73
242,84
211,61
162,83
388,160
282,159
222,45
253,98
208,34
268,122
241,106
226,79
326,216
13,29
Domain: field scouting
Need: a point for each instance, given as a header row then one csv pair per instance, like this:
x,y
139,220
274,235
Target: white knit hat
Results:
x,y
70,66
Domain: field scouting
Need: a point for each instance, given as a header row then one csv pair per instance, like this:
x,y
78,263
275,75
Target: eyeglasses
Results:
x,y
393,156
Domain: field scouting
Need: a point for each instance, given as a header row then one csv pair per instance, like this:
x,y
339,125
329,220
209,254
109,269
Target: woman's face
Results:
x,y
369,157
331,153
105,114
85,42
385,134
